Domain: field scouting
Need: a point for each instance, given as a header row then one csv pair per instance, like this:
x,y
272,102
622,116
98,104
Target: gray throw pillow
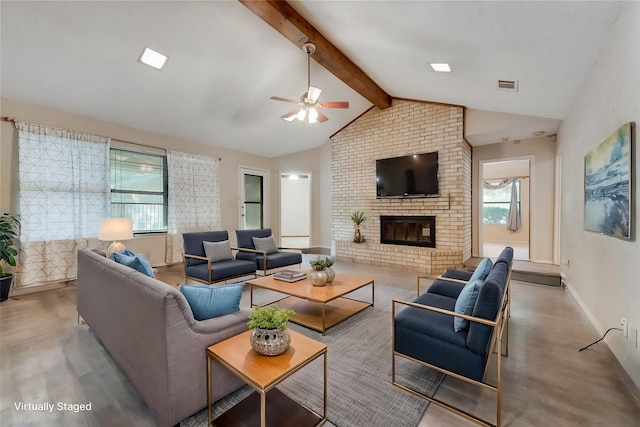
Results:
x,y
218,251
265,244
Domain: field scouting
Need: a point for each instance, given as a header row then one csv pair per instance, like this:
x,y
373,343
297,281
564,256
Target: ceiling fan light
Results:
x,y
301,114
313,115
313,94
289,118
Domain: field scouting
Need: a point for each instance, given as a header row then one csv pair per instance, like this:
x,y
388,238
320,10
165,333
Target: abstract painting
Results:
x,y
607,185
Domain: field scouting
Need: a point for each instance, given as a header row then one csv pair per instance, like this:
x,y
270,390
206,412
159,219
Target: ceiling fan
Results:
x,y
309,107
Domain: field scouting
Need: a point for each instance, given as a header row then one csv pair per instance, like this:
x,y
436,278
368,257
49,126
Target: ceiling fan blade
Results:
x,y
335,104
321,116
313,94
291,115
277,98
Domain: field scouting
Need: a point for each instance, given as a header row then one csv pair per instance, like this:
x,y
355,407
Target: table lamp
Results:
x,y
115,229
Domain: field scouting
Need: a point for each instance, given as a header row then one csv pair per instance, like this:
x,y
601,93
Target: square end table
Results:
x,y
267,406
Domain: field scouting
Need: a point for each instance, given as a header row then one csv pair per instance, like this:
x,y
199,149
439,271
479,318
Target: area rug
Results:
x,y
360,392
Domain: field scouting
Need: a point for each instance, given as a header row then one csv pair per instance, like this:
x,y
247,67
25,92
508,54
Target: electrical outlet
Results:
x,y
624,327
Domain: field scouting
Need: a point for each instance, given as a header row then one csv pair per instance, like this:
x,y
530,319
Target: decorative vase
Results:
x,y
318,277
331,274
270,342
357,237
5,286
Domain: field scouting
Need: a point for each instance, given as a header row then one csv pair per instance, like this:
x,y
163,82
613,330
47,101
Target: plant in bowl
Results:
x,y
358,218
331,274
270,318
9,226
270,336
317,264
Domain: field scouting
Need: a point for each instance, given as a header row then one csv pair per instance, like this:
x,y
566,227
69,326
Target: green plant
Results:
x,y
316,263
358,217
328,262
9,226
270,318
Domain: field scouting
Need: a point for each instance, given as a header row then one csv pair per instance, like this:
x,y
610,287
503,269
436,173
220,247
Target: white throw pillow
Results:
x,y
265,244
218,251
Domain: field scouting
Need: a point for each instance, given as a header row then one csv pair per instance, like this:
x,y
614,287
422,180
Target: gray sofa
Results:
x,y
148,328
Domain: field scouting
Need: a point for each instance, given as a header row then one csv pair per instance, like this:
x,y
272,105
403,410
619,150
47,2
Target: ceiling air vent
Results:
x,y
509,85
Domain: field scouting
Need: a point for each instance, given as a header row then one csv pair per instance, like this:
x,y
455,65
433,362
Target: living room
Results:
x,y
599,271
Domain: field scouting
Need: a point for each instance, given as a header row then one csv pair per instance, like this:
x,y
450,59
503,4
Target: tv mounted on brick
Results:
x,y
410,176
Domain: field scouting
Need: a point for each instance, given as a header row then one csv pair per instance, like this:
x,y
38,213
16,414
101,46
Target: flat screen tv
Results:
x,y
408,176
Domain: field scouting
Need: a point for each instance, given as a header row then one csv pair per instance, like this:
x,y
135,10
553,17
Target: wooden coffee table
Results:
x,y
318,307
263,373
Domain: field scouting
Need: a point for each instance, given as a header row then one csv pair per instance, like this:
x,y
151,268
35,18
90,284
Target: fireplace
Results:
x,y
408,230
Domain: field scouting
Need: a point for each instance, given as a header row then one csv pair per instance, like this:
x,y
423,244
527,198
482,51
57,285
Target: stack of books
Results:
x,y
290,275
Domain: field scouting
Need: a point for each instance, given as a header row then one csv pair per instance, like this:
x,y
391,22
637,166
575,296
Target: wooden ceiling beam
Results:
x,y
288,22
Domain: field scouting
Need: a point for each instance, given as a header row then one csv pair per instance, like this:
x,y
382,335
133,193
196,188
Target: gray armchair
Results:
x,y
266,260
220,266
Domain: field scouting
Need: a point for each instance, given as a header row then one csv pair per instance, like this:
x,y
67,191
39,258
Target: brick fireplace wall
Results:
x,y
407,127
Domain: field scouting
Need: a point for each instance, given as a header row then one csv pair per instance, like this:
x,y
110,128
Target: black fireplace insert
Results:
x,y
408,230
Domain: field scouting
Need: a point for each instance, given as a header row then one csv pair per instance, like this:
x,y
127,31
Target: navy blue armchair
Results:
x,y
267,261
219,268
423,331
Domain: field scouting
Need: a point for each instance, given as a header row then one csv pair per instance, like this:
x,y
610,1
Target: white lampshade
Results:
x,y
115,229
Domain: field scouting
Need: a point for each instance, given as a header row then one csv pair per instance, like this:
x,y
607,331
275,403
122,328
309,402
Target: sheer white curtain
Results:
x,y
63,194
194,202
514,220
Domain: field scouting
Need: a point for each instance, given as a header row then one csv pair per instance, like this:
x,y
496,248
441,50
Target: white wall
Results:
x,y
604,272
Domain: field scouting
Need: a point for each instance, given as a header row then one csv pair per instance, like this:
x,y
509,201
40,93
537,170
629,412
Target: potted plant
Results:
x,y
9,226
331,274
317,264
358,218
270,336
318,277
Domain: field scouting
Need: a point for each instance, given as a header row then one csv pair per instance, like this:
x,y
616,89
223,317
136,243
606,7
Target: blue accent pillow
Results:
x,y
135,261
465,303
482,270
212,301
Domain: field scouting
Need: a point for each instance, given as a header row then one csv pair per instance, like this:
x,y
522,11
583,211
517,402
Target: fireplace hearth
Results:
x,y
408,230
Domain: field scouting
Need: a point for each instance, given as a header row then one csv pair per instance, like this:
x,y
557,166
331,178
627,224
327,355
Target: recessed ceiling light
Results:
x,y
441,68
152,58
538,133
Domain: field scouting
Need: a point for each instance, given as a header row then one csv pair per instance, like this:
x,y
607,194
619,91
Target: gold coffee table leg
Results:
x,y
208,391
263,411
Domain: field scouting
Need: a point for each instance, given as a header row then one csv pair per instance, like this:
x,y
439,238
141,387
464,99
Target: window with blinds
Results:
x,y
139,189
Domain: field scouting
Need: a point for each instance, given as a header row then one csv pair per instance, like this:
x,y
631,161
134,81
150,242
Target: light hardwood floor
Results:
x,y
47,357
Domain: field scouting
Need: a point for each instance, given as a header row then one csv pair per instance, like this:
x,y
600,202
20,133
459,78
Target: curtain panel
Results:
x,y
63,194
194,202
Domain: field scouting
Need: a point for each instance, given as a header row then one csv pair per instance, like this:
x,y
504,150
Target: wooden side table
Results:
x,y
263,373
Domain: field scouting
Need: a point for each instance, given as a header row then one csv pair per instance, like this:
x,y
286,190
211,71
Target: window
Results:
x,y
495,204
139,189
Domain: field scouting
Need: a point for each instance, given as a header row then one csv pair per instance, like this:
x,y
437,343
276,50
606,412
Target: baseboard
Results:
x,y
633,388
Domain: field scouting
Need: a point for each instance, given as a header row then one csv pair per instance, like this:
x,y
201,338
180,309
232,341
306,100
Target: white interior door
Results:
x,y
295,210
254,199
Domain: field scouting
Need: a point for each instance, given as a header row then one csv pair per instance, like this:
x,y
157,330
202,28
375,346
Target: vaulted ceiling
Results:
x,y
225,62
